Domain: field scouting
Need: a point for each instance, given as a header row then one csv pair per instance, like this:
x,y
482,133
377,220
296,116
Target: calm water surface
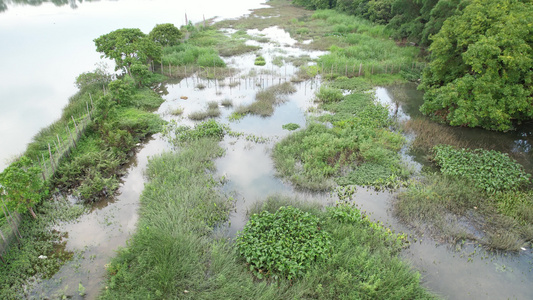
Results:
x,y
44,48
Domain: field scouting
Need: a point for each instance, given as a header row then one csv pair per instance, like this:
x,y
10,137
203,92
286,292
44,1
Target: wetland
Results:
x,y
192,196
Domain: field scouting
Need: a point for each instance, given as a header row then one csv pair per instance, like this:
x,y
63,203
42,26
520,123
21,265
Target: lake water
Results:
x,y
44,47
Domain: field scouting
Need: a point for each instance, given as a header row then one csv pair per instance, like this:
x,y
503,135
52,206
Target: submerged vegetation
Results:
x,y
266,100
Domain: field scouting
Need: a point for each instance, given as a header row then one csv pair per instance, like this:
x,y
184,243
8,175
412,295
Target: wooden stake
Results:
x,y
75,125
70,133
51,158
360,69
44,164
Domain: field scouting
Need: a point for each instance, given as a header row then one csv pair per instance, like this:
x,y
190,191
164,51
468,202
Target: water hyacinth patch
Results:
x,y
283,244
488,170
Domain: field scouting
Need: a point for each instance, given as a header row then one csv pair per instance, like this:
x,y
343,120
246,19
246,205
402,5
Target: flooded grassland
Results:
x,y
255,102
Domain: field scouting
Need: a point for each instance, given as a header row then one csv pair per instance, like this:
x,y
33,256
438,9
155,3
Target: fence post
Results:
x,y
88,112
70,133
360,67
51,159
169,70
44,164
42,170
75,125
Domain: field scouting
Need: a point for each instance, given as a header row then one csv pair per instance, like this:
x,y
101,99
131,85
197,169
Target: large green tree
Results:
x,y
481,68
21,186
128,46
165,34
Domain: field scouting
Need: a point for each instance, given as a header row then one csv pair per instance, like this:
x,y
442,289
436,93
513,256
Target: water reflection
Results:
x,y
72,3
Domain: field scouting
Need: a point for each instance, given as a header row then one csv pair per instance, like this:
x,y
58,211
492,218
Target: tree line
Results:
x,y
481,54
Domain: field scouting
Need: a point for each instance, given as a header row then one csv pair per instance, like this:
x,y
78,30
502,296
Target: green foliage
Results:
x,y
490,171
98,77
182,134
328,95
168,253
165,34
481,72
187,54
21,185
290,126
454,209
128,46
259,61
375,175
121,90
312,157
141,74
266,100
93,172
22,259
283,244
517,205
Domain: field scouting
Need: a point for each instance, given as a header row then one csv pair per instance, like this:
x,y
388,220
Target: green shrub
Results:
x,y
328,95
488,170
179,134
290,126
260,61
283,244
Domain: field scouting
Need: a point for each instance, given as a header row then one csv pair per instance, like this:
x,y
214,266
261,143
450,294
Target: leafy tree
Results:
x,y
98,76
127,46
141,74
481,70
165,34
122,90
21,186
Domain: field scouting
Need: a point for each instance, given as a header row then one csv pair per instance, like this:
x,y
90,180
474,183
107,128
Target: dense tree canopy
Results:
x,y
165,34
128,46
481,73
415,20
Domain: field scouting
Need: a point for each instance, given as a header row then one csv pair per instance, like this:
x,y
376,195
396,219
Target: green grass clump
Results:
x,y
328,95
212,111
179,134
488,170
146,99
259,61
314,157
227,103
282,244
188,54
454,210
266,100
212,104
290,126
480,186
178,111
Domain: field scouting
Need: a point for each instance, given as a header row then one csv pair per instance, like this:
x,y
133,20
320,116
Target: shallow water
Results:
x,y
468,272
